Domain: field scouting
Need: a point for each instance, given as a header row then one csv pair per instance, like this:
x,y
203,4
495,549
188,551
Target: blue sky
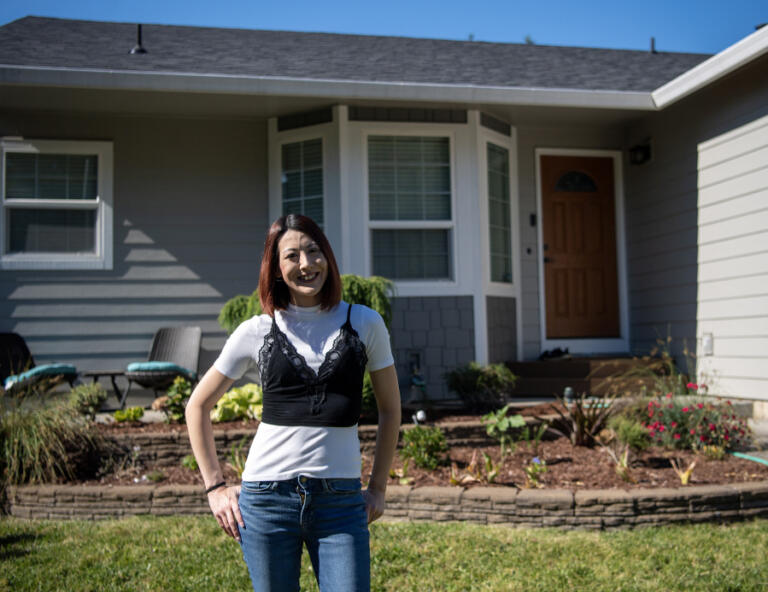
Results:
x,y
697,26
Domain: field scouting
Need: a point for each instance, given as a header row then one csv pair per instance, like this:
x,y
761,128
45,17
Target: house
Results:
x,y
522,197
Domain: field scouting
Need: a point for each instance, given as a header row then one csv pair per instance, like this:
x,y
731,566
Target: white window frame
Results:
x,y
103,255
277,140
393,130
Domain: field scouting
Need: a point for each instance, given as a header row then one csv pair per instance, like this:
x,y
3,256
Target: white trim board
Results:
x,y
591,345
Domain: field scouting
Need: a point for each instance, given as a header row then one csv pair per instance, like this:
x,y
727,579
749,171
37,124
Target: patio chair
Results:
x,y
175,352
18,368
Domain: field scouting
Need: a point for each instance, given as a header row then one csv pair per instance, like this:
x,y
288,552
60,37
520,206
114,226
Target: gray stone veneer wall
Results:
x,y
437,332
501,316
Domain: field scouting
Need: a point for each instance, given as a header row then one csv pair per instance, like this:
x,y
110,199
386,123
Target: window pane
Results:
x,y
382,206
576,181
499,215
51,176
411,254
414,169
51,231
302,174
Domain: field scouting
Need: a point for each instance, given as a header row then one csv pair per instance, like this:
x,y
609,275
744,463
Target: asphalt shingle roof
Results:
x,y
48,42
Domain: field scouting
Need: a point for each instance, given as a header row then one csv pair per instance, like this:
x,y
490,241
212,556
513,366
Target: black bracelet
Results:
x,y
212,487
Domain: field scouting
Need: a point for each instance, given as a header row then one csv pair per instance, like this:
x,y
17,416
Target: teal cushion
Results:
x,y
40,372
161,367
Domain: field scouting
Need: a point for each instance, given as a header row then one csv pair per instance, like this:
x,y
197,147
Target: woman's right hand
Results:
x,y
224,505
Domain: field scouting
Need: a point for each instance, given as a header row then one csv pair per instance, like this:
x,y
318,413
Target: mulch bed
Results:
x,y
568,467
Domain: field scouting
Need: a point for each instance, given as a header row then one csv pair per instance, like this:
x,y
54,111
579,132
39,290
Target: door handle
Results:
x,y
547,259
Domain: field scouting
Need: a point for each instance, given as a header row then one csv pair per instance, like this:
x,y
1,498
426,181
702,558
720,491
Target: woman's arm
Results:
x,y
223,500
387,393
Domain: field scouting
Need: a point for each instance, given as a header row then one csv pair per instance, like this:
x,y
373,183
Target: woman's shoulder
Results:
x,y
255,326
363,315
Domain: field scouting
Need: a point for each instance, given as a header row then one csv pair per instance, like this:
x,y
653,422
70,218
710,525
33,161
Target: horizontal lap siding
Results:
x,y
733,247
190,216
697,218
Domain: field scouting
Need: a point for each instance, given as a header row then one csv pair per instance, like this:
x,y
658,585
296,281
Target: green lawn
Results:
x,y
191,553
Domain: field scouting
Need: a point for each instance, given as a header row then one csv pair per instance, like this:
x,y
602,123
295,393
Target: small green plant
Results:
x,y
237,457
621,459
481,388
425,446
243,402
583,419
87,399
533,438
177,396
156,476
374,292
129,414
533,471
500,426
189,462
630,432
402,474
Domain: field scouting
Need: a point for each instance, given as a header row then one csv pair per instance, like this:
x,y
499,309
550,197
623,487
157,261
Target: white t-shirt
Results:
x,y
285,452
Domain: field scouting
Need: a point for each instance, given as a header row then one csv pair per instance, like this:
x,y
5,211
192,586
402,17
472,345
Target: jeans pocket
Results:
x,y
258,486
343,486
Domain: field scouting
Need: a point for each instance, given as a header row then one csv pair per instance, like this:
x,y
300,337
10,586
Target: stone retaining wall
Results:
x,y
169,448
597,509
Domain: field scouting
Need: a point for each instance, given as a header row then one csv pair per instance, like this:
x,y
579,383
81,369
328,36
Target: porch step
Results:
x,y
597,376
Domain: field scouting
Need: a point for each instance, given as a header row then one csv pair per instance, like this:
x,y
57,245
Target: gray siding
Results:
x,y
529,139
438,331
190,215
697,228
502,329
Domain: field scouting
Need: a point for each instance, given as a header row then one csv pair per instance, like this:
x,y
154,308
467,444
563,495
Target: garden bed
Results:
x,y
568,467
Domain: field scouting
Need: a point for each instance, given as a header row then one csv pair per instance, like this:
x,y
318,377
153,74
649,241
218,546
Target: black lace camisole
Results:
x,y
294,395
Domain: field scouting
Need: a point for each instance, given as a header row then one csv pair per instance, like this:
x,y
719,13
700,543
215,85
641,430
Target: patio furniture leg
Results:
x,y
124,395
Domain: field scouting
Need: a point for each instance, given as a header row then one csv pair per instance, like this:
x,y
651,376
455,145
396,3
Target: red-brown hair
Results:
x,y
274,295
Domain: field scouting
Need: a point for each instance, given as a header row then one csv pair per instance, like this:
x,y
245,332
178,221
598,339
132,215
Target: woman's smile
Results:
x,y
303,267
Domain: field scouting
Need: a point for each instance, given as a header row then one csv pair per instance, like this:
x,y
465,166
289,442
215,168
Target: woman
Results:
x,y
301,482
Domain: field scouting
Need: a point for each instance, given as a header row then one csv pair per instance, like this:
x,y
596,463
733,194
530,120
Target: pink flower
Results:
x,y
673,424
670,406
692,385
651,433
726,437
677,436
700,405
669,395
686,409
711,427
693,431
661,428
702,438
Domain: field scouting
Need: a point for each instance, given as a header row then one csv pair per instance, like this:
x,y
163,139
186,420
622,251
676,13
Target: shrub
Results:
x,y
87,399
129,414
242,402
369,406
43,440
482,388
425,446
238,309
695,424
374,292
177,396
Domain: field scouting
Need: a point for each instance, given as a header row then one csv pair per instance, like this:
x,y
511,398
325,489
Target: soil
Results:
x,y
567,466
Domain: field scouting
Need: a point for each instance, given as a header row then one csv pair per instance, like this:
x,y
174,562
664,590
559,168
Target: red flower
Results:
x,y
661,428
651,433
650,413
673,424
702,438
670,406
686,409
726,437
677,436
711,427
669,395
692,385
693,431
700,405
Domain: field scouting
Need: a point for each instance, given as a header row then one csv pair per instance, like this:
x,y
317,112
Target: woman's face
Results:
x,y
303,267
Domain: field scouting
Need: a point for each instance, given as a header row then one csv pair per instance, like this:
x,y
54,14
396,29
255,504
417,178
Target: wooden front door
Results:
x,y
578,226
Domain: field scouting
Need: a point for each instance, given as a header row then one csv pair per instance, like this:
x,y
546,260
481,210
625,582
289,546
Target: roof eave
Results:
x,y
719,65
335,89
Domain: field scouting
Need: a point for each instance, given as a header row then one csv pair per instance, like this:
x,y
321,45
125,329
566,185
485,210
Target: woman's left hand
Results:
x,y
375,503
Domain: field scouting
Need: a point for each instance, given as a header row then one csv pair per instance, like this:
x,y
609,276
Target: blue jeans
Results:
x,y
327,515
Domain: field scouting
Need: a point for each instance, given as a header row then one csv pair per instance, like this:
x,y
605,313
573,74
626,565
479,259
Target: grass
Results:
x,y
191,553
